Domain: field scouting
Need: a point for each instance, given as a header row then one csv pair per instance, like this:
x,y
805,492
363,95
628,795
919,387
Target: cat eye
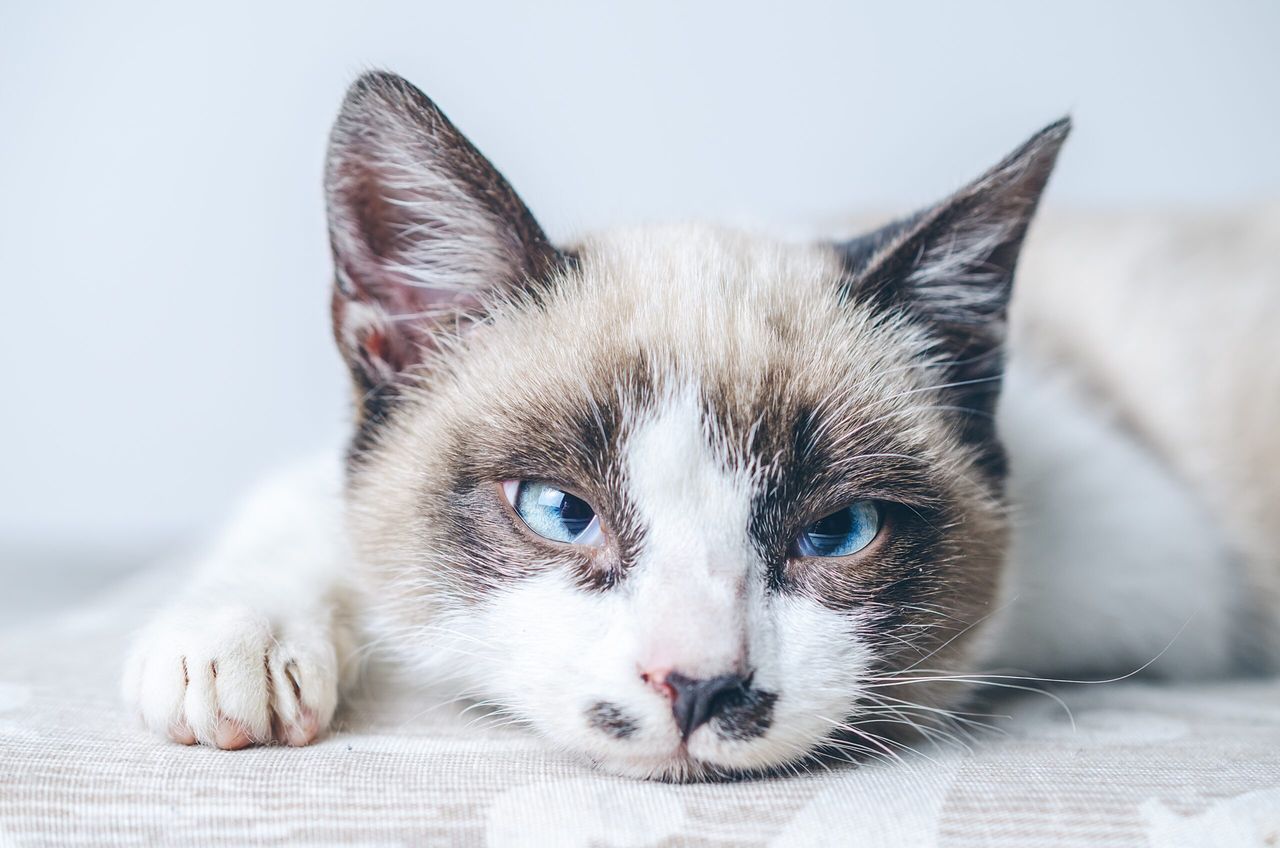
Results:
x,y
554,513
843,532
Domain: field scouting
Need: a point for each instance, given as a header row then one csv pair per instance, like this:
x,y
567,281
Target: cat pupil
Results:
x,y
575,513
837,524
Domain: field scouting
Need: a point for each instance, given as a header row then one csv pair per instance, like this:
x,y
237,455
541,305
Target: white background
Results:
x,y
162,238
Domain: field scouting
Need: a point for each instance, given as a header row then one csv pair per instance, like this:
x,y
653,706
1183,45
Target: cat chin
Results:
x,y
681,766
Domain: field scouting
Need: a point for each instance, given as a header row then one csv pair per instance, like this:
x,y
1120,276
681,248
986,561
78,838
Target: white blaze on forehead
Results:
x,y
692,571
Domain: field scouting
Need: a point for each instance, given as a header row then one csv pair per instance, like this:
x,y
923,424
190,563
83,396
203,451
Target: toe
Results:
x,y
162,688
304,731
231,735
200,705
179,732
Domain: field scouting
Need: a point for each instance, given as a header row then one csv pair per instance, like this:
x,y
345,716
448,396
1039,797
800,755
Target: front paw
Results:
x,y
230,677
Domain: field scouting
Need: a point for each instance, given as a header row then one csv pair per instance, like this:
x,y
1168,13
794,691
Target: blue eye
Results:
x,y
553,513
841,533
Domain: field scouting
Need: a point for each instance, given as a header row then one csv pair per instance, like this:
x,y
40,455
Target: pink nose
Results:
x,y
657,680
696,702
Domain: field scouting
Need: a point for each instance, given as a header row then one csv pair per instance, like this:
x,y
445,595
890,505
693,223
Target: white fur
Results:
x,y
693,576
1112,562
255,647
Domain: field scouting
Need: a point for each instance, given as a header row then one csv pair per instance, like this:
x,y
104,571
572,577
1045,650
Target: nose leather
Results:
x,y
696,702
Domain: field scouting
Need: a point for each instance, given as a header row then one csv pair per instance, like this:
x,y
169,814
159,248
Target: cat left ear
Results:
x,y
424,230
953,263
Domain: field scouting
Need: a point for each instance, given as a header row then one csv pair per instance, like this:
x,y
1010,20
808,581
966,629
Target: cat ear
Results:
x,y
952,264
424,230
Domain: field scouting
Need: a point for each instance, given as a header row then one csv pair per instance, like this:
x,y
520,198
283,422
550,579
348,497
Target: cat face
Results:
x,y
686,501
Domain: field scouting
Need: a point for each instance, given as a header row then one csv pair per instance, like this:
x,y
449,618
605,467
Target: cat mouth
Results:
x,y
725,744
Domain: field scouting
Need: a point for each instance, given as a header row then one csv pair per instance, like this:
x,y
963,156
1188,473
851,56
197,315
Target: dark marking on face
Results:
x,y
913,584
904,566
611,720
816,469
574,441
747,715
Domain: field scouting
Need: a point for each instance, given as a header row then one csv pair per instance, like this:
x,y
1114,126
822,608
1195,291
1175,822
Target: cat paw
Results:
x,y
230,678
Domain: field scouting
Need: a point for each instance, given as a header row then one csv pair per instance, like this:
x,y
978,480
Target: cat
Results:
x,y
689,501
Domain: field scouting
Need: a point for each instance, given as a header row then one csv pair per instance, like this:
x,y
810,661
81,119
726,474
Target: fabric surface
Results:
x,y
1144,764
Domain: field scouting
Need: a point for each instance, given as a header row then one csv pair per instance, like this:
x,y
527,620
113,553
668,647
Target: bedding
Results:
x,y
1128,764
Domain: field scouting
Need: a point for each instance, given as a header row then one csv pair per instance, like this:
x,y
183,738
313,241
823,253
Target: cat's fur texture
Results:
x,y
709,393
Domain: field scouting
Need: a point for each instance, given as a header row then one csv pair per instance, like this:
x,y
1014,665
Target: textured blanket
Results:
x,y
1123,764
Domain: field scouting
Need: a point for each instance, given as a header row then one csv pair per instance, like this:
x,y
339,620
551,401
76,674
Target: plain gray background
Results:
x,y
165,265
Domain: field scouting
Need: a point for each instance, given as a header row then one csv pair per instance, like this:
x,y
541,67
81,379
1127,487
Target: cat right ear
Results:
x,y
953,263
424,231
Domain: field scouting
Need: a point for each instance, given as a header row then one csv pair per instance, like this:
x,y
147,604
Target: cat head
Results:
x,y
687,501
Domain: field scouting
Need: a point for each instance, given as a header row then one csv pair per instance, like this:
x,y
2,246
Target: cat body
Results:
x,y
693,502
